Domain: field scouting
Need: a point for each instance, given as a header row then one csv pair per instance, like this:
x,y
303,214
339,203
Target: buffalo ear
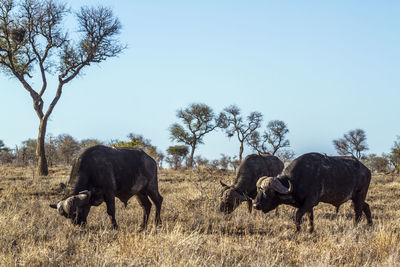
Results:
x,y
224,185
53,206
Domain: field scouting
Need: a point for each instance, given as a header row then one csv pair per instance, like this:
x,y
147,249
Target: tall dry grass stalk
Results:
x,y
193,233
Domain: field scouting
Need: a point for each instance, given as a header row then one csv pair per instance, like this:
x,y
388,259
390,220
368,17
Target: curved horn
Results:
x,y
66,205
260,181
290,187
73,202
82,198
280,188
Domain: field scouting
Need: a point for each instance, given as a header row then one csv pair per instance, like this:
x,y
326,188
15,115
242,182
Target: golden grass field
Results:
x,y
193,232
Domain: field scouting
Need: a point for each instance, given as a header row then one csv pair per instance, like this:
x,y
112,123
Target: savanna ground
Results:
x,y
193,232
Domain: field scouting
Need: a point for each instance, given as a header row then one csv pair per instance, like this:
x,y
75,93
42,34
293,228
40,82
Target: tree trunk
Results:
x,y
190,163
240,152
40,151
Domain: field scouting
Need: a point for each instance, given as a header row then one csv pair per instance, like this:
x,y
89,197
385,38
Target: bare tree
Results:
x,y
377,163
272,140
395,155
236,125
198,120
26,152
353,143
6,154
33,41
67,148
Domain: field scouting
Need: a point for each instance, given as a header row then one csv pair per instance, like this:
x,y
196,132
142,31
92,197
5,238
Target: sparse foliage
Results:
x,y
353,143
176,155
67,148
85,143
235,124
200,161
225,161
198,120
273,140
26,152
3,147
376,163
6,155
395,155
139,142
34,41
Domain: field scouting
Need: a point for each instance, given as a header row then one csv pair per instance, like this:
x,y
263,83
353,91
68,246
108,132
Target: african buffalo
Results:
x,y
102,173
244,187
314,178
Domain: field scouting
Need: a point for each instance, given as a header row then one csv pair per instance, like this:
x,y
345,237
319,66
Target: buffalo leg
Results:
x,y
157,200
146,205
358,207
299,214
307,207
367,213
110,202
310,215
250,205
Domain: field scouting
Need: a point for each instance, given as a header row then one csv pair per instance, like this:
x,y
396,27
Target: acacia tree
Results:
x,y
176,155
33,41
353,143
235,124
139,142
272,140
198,120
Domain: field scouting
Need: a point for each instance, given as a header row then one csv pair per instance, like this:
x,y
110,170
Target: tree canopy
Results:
x,y
34,41
235,124
198,120
353,143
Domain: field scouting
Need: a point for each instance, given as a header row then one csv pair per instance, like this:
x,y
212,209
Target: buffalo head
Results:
x,y
231,198
75,207
270,193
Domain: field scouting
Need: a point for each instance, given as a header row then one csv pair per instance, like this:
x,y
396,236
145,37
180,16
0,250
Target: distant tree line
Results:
x,y
196,121
63,149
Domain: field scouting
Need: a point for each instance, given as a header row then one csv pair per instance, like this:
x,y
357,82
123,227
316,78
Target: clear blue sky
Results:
x,y
323,67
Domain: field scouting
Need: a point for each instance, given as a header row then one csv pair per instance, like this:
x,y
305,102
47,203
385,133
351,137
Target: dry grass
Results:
x,y
193,232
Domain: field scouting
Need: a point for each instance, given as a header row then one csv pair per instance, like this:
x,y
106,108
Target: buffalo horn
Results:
x,y
70,204
260,182
280,188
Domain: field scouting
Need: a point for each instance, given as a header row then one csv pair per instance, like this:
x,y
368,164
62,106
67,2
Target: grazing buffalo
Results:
x,y
244,187
314,178
102,173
